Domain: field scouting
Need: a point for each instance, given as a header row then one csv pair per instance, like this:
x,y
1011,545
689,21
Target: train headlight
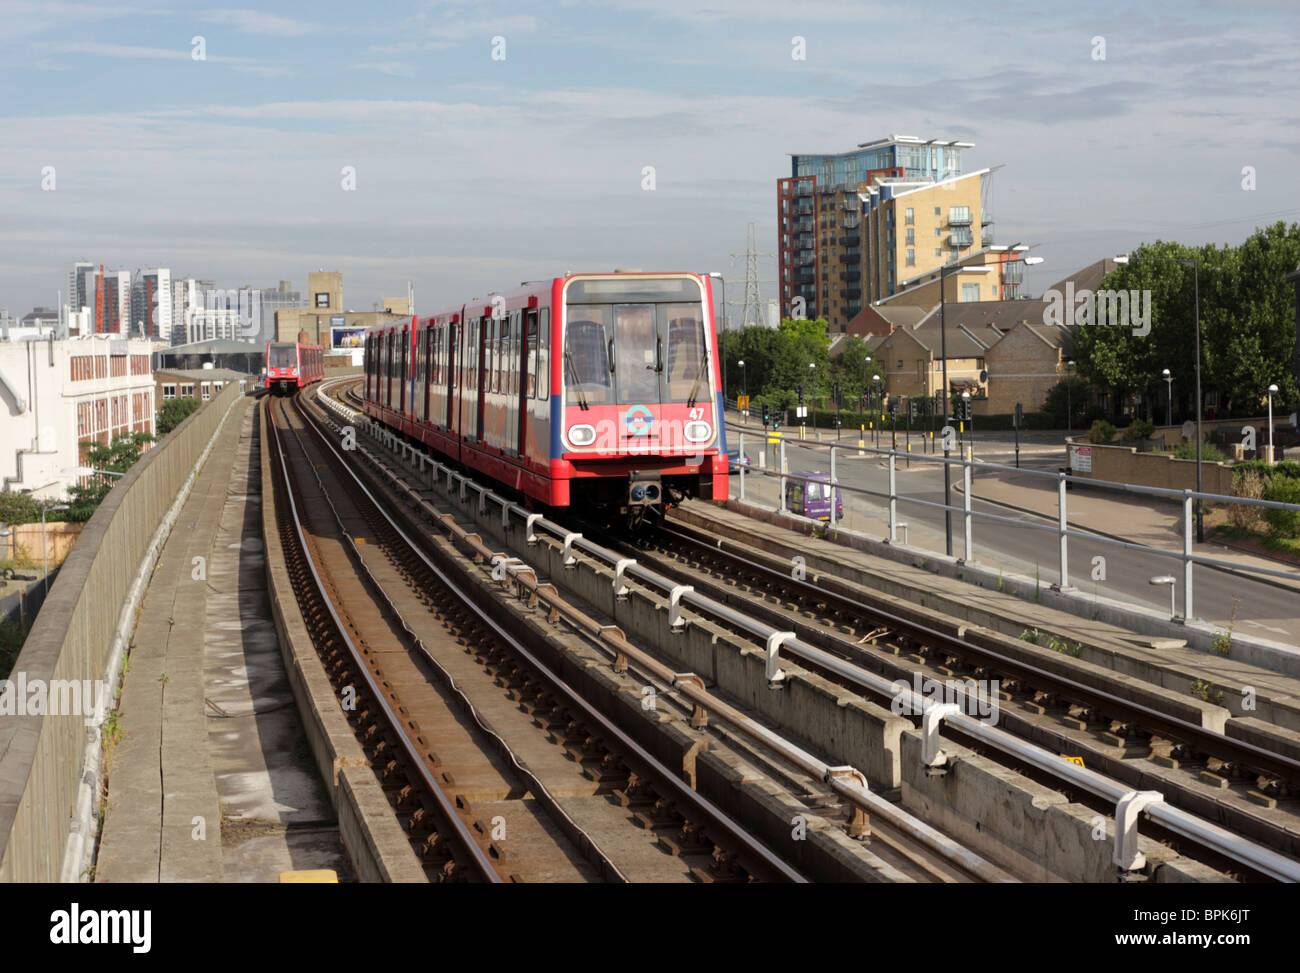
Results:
x,y
638,492
582,435
698,432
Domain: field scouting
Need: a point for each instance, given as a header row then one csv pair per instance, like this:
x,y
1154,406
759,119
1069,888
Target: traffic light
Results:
x,y
767,414
801,395
835,393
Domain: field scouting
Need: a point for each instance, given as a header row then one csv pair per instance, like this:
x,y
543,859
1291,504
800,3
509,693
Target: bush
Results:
x,y
174,412
19,508
1283,523
1209,452
1076,396
1140,429
1285,468
1101,432
1249,485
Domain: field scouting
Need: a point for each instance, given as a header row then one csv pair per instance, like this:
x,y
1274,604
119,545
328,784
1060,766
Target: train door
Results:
x,y
471,357
426,378
453,386
404,368
527,378
480,390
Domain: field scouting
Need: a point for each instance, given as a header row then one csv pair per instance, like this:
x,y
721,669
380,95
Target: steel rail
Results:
x,y
1204,740
641,760
481,864
845,781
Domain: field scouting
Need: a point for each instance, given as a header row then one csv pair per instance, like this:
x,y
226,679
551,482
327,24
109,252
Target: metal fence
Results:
x,y
967,468
73,638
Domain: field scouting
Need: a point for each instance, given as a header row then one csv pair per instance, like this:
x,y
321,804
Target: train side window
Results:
x,y
543,353
515,334
530,354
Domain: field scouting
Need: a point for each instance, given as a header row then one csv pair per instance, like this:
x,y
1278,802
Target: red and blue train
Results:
x,y
596,391
290,367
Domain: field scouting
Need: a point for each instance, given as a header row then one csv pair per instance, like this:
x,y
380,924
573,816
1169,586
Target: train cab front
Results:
x,y
641,428
282,368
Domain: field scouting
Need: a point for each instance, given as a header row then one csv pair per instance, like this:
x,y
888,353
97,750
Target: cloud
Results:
x,y
259,22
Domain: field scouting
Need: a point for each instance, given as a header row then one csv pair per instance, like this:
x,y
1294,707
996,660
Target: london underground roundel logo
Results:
x,y
638,420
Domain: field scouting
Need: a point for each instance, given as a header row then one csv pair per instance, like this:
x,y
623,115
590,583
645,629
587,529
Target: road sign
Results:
x,y
1020,415
742,402
801,412
1081,458
1189,429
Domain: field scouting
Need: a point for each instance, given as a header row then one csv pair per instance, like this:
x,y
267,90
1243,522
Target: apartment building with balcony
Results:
x,y
823,242
866,226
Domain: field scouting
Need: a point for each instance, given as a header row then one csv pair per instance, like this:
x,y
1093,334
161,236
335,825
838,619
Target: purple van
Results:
x,y
813,499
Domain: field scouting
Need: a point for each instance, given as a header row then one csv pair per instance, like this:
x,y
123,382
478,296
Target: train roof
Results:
x,y
526,289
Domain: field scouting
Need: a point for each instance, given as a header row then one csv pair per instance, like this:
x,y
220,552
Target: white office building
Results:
x,y
57,397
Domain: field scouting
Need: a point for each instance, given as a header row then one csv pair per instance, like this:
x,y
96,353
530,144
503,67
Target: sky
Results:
x,y
491,143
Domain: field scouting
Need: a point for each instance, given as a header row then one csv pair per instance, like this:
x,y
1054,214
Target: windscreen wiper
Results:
x,y
695,389
573,372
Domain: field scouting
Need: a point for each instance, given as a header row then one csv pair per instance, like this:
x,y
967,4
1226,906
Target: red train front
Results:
x,y
591,390
290,367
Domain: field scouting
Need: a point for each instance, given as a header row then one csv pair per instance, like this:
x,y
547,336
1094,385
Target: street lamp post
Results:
x,y
812,392
967,411
1272,390
744,380
875,387
1069,398
45,561
1169,397
1196,285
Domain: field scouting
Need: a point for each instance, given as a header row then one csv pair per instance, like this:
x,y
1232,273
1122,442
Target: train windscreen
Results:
x,y
647,349
282,356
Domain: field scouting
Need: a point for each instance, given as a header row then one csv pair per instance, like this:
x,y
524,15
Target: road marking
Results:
x,y
1280,631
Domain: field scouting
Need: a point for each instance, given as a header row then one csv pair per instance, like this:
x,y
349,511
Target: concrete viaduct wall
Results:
x,y
88,615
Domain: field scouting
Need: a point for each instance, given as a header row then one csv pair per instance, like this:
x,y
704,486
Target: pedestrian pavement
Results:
x,y
1145,520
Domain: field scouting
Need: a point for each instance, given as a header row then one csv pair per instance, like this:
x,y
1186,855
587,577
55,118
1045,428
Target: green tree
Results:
x,y
174,412
1247,323
117,457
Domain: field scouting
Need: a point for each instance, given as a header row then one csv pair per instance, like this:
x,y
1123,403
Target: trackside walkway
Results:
x,y
211,779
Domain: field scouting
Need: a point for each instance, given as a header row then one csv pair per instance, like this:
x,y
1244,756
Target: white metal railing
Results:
x,y
969,466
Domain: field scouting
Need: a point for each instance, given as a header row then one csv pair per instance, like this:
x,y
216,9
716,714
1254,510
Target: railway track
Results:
x,y
916,851
826,614
498,770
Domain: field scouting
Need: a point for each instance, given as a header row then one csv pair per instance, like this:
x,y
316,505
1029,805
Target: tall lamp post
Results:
x,y
45,561
862,421
1069,398
723,281
1196,284
812,392
1272,391
1169,397
947,392
878,400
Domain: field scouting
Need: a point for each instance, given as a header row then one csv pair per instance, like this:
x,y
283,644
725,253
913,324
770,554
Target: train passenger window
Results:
x,y
530,355
516,337
685,359
543,357
586,357
637,360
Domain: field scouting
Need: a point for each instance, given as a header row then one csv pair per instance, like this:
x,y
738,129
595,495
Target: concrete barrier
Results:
x,y
87,618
